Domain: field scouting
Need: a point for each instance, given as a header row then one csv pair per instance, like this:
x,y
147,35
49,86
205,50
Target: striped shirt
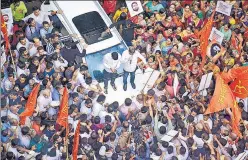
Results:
x,y
50,49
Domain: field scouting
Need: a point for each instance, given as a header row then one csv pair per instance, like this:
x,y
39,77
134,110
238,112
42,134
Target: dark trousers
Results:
x,y
109,76
125,75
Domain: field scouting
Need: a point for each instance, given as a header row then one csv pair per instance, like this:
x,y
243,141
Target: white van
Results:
x,y
88,19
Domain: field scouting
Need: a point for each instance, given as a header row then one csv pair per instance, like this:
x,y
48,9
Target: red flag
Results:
x,y
5,33
76,142
222,98
203,35
239,86
109,6
62,119
30,106
232,74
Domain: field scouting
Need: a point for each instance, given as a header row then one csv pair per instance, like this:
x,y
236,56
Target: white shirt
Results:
x,y
199,142
7,84
157,48
108,62
158,92
130,61
43,102
43,16
97,108
12,115
14,150
84,109
81,81
19,45
33,50
58,64
24,140
138,104
21,71
102,115
3,57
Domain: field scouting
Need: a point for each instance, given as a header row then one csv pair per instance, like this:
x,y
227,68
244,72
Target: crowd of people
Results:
x,y
164,38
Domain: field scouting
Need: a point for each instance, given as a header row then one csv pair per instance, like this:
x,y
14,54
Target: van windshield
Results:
x,y
91,27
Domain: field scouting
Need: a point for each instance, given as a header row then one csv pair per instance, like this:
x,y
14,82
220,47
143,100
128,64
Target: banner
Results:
x,y
134,7
216,35
205,81
169,136
224,8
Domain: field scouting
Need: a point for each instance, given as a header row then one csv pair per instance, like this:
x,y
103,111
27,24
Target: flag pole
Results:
x,y
147,81
13,62
66,139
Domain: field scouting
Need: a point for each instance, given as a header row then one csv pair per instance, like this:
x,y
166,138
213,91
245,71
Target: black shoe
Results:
x,y
133,85
114,87
125,87
105,90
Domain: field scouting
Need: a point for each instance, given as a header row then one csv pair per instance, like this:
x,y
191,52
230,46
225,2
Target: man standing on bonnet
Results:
x,y
130,58
111,62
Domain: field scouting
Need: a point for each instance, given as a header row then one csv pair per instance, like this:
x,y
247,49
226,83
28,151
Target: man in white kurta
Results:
x,y
111,62
130,59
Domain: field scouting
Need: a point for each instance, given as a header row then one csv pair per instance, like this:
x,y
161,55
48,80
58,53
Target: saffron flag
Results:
x,y
239,86
63,110
5,33
76,142
30,106
236,119
222,98
203,35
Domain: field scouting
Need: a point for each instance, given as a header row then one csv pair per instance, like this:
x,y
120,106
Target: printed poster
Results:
x,y
224,8
216,35
134,7
7,15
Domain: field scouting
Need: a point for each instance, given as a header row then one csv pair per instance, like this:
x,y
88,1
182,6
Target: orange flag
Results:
x,y
222,98
203,35
239,86
62,119
236,119
30,106
5,33
232,74
76,142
